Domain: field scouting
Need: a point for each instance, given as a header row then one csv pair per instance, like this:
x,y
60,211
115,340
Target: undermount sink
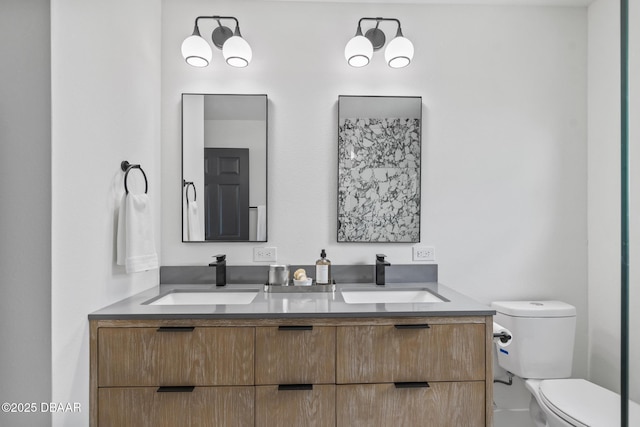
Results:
x,y
205,298
390,296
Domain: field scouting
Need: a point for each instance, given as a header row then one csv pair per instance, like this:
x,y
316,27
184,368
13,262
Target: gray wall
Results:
x,y
25,208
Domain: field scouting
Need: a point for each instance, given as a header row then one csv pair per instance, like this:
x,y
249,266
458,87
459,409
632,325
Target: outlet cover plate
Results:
x,y
424,253
267,254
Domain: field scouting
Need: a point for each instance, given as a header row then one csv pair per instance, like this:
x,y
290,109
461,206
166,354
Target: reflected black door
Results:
x,y
226,198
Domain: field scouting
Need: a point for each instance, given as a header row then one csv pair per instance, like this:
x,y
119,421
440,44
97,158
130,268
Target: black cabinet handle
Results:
x,y
176,329
175,389
418,384
286,387
416,326
295,327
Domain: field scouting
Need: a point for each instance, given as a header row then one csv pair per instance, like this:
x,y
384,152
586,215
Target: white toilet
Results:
x,y
541,353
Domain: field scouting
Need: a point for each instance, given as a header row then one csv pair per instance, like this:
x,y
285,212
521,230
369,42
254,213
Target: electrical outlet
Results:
x,y
265,254
424,253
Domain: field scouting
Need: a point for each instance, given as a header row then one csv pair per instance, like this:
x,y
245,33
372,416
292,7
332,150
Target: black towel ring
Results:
x,y
189,184
126,167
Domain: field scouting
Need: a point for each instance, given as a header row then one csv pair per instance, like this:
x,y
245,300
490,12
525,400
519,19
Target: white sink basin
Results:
x,y
389,296
205,298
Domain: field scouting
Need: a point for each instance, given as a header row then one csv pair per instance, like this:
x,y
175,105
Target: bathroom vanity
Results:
x,y
292,359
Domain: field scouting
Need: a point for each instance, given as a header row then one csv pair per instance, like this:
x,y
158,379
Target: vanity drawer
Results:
x,y
391,353
383,405
175,356
203,406
295,354
310,406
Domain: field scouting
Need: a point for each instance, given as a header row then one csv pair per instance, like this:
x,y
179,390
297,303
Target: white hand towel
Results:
x,y
136,244
193,222
262,223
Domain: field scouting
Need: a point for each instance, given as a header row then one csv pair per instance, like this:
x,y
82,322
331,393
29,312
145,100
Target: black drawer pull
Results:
x,y
176,329
417,326
418,384
295,328
175,389
286,387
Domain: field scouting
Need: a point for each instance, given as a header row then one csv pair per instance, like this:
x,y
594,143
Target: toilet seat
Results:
x,y
562,402
582,403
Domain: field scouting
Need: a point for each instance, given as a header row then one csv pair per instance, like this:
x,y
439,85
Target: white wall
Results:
x,y
504,137
25,208
604,193
106,108
604,196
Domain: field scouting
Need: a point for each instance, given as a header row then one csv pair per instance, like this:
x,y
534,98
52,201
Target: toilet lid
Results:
x,y
583,403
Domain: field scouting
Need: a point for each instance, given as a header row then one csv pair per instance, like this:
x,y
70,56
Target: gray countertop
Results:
x,y
291,304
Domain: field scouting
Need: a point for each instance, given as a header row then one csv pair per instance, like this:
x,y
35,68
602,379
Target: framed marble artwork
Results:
x,y
379,169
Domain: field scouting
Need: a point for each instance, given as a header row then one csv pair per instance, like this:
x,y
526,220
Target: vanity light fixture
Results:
x,y
236,51
360,48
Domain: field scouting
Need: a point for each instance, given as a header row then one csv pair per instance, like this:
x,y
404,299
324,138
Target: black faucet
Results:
x,y
381,264
221,269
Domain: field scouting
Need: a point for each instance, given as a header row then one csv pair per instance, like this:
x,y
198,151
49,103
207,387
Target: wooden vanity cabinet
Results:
x,y
309,405
295,354
171,374
158,407
295,375
428,371
416,374
410,352
439,404
175,356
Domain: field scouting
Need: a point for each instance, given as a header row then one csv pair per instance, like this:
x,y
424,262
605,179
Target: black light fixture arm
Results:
x,y
378,21
221,33
217,18
375,34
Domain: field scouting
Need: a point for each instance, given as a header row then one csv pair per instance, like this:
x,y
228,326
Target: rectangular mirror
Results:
x,y
224,168
379,153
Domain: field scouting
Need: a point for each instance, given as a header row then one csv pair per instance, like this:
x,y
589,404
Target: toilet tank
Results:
x,y
543,336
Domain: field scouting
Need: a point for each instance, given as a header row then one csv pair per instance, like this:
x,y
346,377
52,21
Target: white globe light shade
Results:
x,y
358,51
399,52
237,52
196,51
